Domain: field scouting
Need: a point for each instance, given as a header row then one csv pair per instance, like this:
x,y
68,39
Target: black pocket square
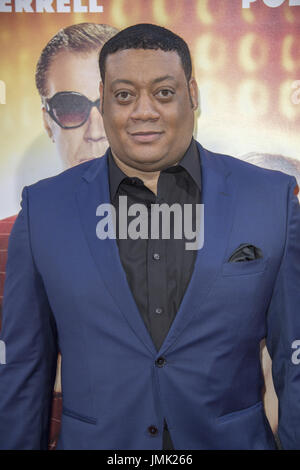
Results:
x,y
245,252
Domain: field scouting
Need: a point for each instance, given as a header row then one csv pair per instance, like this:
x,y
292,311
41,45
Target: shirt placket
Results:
x,y
157,284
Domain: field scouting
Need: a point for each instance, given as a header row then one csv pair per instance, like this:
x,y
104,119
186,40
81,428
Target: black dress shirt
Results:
x,y
158,270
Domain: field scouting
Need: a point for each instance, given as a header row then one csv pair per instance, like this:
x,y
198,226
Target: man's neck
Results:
x,y
149,178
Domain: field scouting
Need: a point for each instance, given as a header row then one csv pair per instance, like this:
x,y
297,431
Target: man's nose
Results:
x,y
145,109
94,126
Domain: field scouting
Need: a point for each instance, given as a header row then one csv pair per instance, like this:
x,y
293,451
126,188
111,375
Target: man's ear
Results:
x,y
101,91
194,93
47,123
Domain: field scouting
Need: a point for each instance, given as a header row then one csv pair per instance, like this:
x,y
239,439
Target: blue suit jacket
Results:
x,y
66,289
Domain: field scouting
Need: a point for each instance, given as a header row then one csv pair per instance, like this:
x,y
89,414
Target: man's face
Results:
x,y
147,111
77,72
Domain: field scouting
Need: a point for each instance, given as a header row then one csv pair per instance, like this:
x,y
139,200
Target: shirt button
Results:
x,y
156,256
152,430
160,362
158,310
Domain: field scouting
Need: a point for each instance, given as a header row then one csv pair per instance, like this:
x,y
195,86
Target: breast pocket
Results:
x,y
80,417
244,268
240,413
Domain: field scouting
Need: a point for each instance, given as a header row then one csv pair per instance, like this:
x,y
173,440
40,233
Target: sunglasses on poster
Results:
x,y
70,109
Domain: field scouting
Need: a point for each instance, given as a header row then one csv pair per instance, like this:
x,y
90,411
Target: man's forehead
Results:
x,y
154,63
74,71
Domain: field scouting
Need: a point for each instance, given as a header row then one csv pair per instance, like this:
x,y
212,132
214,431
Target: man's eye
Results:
x,y
123,96
165,93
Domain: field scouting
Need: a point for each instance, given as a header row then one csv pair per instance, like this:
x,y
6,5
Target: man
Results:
x,y
166,340
67,79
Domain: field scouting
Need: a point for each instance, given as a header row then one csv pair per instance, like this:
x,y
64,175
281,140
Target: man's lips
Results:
x,y
145,136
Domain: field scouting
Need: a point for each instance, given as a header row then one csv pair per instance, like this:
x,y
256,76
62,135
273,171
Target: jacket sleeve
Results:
x,y
283,329
29,346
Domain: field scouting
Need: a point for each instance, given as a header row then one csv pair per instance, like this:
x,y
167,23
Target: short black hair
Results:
x,y
147,36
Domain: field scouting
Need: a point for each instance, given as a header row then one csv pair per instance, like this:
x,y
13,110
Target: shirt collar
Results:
x,y
190,162
116,175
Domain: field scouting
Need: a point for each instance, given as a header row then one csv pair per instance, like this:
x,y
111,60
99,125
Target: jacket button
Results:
x,y
160,362
152,430
158,310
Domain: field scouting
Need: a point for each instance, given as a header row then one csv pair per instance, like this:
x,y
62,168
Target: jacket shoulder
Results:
x,y
65,182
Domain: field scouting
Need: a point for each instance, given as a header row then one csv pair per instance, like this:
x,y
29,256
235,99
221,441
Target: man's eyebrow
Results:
x,y
165,77
121,80
156,80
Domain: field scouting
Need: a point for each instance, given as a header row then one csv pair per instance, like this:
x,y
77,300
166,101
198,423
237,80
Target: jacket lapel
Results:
x,y
218,196
94,190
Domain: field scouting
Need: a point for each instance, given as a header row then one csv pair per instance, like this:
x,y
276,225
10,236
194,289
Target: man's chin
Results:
x,y
92,152
92,156
154,162
85,160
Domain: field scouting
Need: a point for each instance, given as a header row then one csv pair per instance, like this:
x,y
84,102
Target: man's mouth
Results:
x,y
145,136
